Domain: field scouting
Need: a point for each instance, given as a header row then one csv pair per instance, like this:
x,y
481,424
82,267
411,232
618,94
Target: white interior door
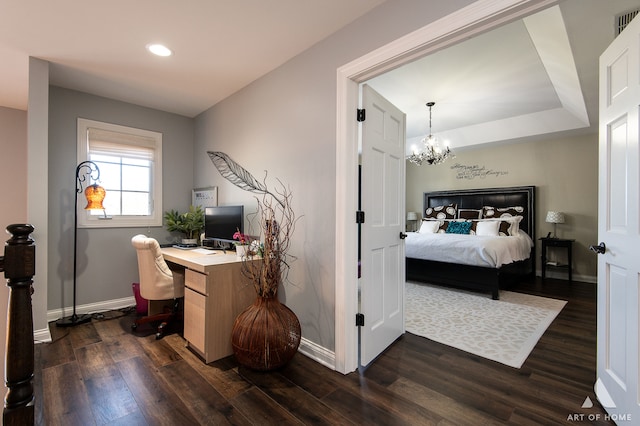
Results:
x,y
618,227
383,202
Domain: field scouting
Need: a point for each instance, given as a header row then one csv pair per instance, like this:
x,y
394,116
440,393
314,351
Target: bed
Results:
x,y
444,260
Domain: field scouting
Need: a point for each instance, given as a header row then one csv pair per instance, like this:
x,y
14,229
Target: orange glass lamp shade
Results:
x,y
95,194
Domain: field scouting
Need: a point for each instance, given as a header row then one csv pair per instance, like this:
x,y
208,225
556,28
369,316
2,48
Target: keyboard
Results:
x,y
185,246
203,251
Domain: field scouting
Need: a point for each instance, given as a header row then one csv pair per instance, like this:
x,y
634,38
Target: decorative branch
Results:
x,y
238,175
276,221
277,224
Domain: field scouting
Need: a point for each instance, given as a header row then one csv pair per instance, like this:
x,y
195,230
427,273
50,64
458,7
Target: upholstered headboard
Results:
x,y
496,197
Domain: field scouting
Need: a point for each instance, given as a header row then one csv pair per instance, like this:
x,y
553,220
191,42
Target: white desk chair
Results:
x,y
157,283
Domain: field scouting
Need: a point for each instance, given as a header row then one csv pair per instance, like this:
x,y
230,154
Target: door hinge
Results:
x,y
359,216
362,114
359,320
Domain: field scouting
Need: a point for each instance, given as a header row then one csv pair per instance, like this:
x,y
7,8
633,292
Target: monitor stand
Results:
x,y
215,245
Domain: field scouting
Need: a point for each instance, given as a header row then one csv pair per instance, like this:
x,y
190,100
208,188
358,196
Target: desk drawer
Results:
x,y
196,281
194,320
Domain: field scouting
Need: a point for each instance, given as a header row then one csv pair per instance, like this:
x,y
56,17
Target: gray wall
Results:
x,y
106,260
13,188
565,172
37,184
13,164
285,123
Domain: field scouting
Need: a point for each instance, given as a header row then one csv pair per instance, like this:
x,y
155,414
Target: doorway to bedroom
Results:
x,y
435,38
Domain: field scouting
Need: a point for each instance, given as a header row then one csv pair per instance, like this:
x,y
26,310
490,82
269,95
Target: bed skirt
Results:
x,y
470,277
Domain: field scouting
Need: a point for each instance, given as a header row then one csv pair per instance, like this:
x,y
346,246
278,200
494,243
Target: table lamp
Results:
x,y
412,217
555,218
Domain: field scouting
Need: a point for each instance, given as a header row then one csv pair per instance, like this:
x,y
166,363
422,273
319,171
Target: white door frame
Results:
x,y
478,17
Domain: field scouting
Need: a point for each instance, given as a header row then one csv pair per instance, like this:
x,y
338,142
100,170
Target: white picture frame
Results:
x,y
205,197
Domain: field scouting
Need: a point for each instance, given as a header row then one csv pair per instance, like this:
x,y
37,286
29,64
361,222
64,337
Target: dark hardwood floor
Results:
x,y
101,374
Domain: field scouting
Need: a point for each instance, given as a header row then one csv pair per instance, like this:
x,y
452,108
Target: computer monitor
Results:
x,y
220,223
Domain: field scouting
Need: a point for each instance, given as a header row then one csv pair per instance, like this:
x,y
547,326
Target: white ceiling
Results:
x,y
533,78
530,77
220,46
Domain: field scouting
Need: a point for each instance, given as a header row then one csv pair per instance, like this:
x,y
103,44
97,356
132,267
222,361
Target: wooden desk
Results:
x,y
215,293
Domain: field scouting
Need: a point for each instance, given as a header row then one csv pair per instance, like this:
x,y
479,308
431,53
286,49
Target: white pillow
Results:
x,y
488,228
429,227
514,222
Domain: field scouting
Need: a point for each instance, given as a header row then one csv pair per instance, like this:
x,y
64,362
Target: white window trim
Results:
x,y
86,220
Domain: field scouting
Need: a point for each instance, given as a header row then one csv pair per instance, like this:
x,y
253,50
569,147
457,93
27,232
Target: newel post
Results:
x,y
18,264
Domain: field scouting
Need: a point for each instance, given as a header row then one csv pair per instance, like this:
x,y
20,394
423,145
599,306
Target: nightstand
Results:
x,y
563,244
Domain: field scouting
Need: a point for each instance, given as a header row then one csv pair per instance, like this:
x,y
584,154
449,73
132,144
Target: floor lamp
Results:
x,y
85,173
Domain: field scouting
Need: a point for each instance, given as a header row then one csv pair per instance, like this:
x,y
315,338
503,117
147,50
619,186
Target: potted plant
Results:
x,y
242,245
267,334
190,223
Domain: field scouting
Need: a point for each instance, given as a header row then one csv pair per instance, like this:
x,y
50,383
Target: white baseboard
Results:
x,y
585,278
92,308
560,275
43,335
318,353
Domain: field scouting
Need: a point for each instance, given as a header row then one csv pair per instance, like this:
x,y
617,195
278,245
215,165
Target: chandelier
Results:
x,y
431,153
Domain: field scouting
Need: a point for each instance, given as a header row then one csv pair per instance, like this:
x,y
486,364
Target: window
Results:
x,y
130,163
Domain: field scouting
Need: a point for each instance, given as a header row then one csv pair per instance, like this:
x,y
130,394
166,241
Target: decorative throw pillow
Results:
x,y
441,212
508,226
488,228
489,212
469,214
429,226
444,224
514,224
458,227
505,226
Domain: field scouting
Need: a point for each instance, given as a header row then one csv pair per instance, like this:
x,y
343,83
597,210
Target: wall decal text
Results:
x,y
464,171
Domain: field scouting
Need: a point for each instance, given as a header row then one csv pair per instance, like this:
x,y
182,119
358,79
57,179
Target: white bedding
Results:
x,y
467,249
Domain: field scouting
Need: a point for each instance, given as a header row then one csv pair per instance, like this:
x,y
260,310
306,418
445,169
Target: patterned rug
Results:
x,y
504,330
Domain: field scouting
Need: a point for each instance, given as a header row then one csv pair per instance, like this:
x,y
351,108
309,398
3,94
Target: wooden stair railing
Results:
x,y
18,264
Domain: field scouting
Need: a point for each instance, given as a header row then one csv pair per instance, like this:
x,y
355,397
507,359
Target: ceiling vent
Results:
x,y
623,19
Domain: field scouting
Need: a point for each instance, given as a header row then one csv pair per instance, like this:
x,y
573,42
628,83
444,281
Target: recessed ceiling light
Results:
x,y
159,49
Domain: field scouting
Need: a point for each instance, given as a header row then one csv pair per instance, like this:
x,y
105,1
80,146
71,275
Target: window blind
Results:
x,y
104,142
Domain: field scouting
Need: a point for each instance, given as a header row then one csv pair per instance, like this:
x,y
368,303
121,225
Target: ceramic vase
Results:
x,y
241,251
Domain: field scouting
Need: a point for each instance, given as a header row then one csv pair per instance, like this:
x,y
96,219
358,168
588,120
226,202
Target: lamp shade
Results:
x,y
412,216
95,194
555,217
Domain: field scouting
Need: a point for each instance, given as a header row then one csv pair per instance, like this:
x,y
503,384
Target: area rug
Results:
x,y
504,330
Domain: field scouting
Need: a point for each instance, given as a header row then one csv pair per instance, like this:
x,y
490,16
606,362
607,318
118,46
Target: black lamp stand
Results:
x,y
84,171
